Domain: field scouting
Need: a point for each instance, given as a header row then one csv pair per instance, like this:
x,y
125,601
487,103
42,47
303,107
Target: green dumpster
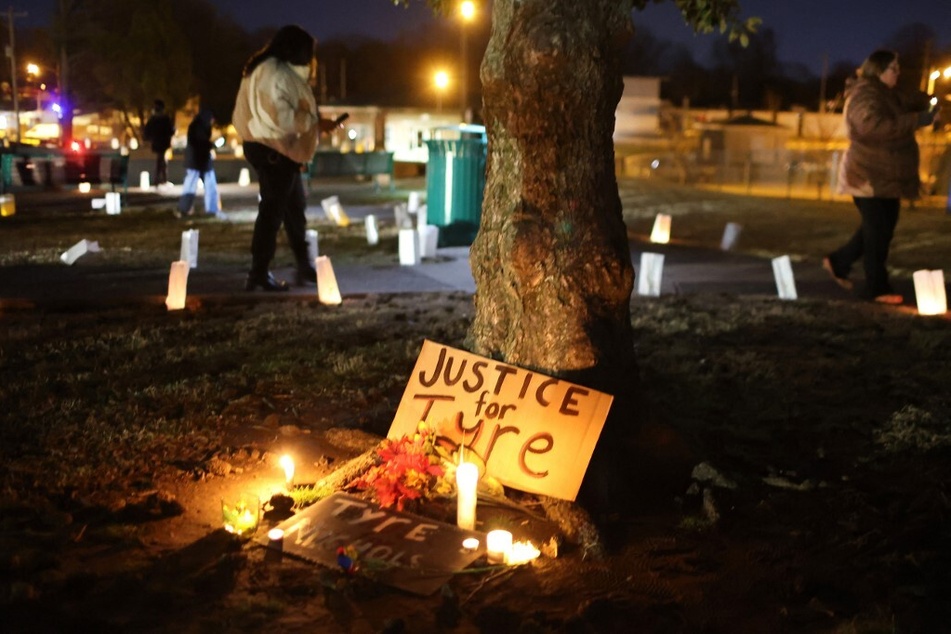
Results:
x,y
455,180
6,171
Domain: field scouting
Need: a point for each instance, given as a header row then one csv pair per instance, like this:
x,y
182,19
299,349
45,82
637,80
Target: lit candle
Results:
x,y
498,544
522,553
467,479
470,543
275,546
287,463
242,516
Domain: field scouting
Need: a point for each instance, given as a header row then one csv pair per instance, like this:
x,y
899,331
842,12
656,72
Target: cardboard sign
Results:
x,y
414,553
533,432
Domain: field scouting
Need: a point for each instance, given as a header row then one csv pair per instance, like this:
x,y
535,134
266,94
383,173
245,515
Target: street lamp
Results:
x,y
33,75
935,74
440,81
467,11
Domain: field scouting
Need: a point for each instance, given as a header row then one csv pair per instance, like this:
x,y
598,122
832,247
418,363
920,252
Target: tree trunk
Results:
x,y
551,260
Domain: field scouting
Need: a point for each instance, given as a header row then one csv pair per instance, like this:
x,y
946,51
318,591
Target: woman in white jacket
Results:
x,y
276,116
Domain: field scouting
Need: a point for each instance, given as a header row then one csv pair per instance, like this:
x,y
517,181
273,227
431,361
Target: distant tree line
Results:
x,y
119,55
753,77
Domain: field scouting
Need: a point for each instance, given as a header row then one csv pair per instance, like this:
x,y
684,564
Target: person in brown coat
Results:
x,y
879,168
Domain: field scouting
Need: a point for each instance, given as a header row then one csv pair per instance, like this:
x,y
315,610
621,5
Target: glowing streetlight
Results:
x,y
467,11
441,82
33,75
935,75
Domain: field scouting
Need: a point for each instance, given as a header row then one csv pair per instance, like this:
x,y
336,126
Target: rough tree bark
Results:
x,y
551,260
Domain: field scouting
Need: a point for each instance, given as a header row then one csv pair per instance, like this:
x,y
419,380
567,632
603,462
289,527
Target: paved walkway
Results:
x,y
687,268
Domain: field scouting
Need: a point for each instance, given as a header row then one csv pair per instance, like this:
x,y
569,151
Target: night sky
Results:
x,y
806,30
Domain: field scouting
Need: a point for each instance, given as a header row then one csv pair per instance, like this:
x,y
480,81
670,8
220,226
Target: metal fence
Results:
x,y
794,174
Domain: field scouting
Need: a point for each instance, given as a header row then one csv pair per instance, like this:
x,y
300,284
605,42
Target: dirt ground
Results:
x,y
789,472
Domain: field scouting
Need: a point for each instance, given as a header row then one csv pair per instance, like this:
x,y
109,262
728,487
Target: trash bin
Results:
x,y
455,181
6,171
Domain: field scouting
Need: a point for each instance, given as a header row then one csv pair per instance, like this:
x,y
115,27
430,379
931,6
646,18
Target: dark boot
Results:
x,y
306,274
266,281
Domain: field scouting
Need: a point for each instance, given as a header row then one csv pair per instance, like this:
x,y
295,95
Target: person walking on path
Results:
x,y
879,168
200,165
159,131
277,118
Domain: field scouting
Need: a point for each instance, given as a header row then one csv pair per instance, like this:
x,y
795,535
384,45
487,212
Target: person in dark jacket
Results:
x,y
879,168
159,131
200,165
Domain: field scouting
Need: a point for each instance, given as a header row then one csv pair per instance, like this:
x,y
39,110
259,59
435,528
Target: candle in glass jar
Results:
x,y
242,515
467,479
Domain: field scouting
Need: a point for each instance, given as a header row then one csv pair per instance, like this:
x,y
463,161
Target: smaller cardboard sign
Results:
x,y
406,551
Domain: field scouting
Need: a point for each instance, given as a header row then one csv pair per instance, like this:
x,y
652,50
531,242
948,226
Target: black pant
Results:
x,y
282,202
161,168
870,242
